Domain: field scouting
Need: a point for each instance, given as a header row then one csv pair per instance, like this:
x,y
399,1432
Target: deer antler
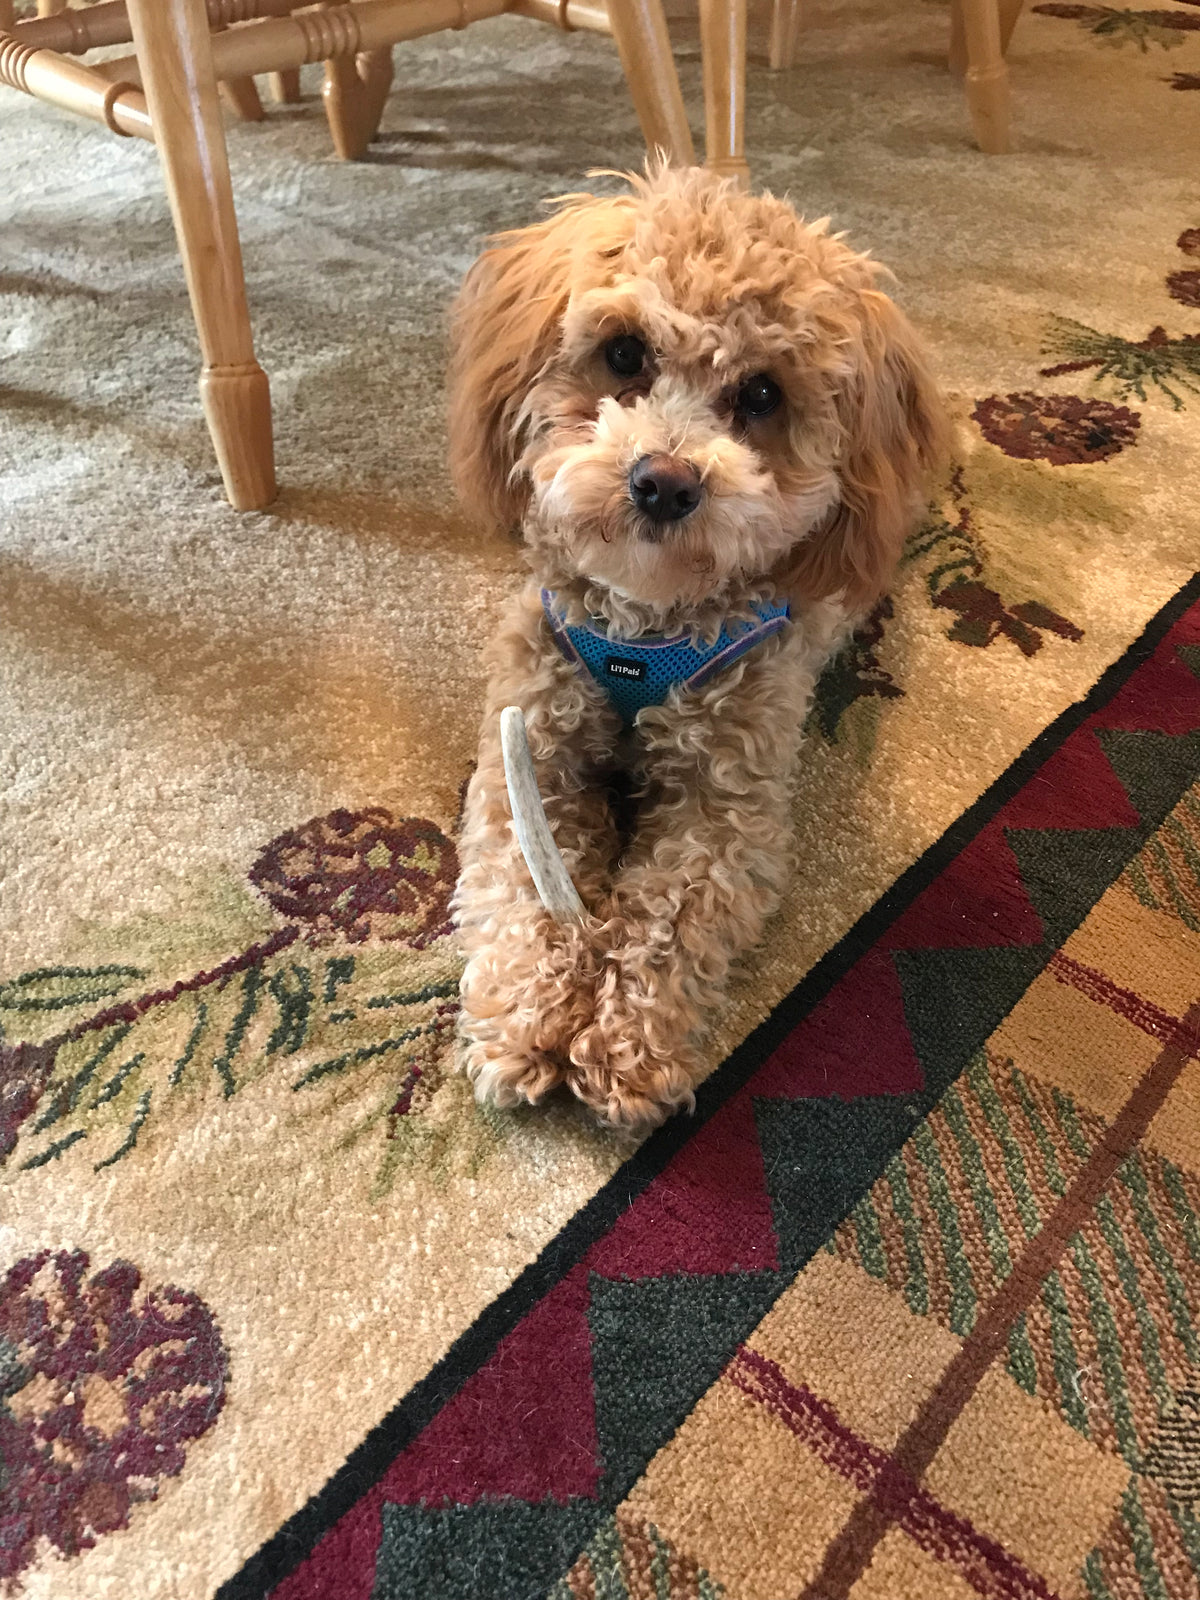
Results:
x,y
546,866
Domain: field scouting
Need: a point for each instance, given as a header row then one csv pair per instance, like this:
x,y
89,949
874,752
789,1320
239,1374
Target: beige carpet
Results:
x,y
245,1094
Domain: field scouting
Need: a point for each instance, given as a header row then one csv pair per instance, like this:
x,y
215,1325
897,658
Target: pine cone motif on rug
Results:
x,y
103,1385
1063,429
360,873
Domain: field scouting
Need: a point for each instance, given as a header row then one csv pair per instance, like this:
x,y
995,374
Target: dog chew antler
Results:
x,y
546,866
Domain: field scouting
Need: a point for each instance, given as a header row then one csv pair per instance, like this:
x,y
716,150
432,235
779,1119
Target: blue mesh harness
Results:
x,y
641,672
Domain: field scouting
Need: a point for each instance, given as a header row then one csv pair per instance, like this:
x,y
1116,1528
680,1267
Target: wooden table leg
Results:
x,y
355,93
285,86
644,46
1010,15
987,75
172,43
785,28
723,43
242,95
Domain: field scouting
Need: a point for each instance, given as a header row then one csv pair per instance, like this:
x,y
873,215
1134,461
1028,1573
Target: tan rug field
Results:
x,y
232,746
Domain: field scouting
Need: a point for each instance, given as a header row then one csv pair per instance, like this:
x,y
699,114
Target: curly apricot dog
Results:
x,y
714,432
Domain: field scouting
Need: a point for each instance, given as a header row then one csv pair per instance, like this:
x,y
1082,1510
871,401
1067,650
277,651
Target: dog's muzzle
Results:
x,y
664,488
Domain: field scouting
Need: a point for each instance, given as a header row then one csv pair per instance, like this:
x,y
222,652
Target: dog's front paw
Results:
x,y
508,1077
632,1063
523,1001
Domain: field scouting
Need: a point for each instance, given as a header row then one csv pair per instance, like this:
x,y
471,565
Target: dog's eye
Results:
x,y
758,396
625,355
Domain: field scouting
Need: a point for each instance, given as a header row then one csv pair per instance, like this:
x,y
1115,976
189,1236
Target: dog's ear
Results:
x,y
895,434
504,328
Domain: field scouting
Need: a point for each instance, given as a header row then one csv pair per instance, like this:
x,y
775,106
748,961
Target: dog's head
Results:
x,y
685,387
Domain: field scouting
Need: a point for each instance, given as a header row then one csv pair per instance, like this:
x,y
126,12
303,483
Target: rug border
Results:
x,y
364,1466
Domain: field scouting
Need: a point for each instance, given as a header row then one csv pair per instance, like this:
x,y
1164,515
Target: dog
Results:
x,y
713,432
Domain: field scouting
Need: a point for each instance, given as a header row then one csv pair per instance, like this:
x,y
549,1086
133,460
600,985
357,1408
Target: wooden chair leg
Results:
x,y
723,44
785,29
958,40
172,43
355,92
285,86
640,29
987,75
1010,15
242,94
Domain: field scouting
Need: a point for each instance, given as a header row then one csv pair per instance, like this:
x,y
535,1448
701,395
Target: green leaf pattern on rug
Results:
x,y
380,1009
956,582
854,674
61,988
1132,366
1116,27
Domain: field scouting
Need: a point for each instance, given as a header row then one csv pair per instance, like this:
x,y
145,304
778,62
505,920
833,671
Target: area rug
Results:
x,y
265,1270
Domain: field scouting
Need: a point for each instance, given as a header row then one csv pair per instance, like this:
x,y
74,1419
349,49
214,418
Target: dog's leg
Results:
x,y
529,981
704,872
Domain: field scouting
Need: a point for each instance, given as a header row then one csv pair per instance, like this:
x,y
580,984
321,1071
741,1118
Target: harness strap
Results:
x,y
635,673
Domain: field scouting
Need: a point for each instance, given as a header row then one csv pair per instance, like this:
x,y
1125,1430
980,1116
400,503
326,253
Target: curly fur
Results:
x,y
812,502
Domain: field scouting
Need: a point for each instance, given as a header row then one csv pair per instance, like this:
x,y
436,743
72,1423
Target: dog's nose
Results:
x,y
665,488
